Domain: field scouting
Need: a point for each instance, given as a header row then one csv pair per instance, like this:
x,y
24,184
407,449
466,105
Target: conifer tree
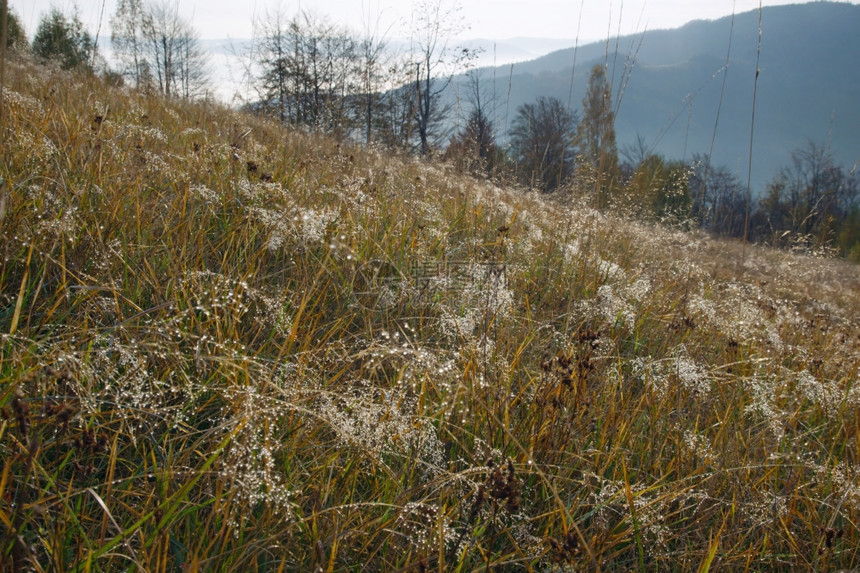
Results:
x,y
15,36
596,134
63,37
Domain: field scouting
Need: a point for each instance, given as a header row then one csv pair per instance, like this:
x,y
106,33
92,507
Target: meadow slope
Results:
x,y
229,346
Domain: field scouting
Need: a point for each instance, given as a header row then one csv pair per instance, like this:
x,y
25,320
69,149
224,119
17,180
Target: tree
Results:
x,y
436,61
371,52
15,36
155,45
192,64
161,30
273,54
542,142
596,134
330,57
659,190
474,147
634,154
848,238
127,41
395,122
813,197
306,69
173,51
63,37
719,199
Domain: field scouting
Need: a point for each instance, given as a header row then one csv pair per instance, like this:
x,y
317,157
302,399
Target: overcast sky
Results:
x,y
490,19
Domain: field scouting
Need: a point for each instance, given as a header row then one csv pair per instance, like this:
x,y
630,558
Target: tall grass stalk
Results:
x,y
4,10
752,133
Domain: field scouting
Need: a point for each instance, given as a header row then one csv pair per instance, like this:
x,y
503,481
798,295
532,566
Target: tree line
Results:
x,y
155,48
309,72
304,69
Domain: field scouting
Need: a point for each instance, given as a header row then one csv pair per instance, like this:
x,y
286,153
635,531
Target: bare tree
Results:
x,y
192,65
306,69
155,44
372,55
330,53
436,22
721,204
811,197
394,125
273,57
127,40
311,72
160,29
175,56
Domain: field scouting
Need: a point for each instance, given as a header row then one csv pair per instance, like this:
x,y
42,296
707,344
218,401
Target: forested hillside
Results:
x,y
669,83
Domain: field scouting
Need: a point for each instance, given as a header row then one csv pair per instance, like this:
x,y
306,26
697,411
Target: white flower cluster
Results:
x,y
420,524
827,394
381,423
308,226
677,371
613,309
250,462
26,105
763,395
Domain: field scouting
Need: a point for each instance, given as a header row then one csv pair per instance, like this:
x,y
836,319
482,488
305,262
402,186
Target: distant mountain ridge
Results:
x,y
808,85
504,52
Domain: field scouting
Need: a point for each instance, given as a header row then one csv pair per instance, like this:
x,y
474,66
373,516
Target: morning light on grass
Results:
x,y
233,343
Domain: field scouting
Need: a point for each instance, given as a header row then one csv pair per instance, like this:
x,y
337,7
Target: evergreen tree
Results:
x,y
15,36
473,148
63,37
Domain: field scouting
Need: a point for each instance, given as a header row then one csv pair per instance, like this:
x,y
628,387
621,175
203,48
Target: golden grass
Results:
x,y
231,346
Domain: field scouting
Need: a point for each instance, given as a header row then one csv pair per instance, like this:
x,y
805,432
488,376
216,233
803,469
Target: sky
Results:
x,y
486,19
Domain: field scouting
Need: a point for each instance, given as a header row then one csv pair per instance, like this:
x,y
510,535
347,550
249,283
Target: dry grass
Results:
x,y
227,346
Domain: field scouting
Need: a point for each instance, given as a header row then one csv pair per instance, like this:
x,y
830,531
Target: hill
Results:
x,y
227,345
805,90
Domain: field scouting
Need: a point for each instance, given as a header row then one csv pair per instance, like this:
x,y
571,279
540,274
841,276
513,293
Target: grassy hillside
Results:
x,y
227,346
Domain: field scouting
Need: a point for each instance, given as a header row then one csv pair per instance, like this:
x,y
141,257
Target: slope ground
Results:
x,y
230,346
